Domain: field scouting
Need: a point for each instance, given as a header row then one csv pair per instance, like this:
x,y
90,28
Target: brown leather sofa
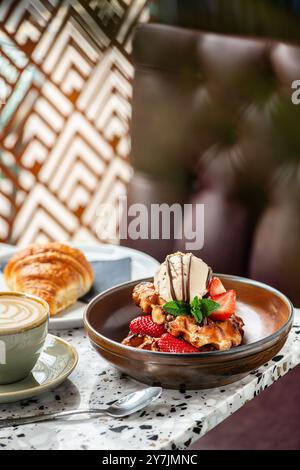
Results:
x,y
213,122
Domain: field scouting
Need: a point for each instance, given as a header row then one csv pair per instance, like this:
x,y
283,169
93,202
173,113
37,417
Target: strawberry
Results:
x,y
168,343
227,305
216,287
144,325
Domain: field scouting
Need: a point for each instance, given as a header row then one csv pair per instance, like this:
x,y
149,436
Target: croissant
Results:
x,y
55,272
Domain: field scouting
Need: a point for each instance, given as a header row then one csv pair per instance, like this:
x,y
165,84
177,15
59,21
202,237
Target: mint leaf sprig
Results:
x,y
198,308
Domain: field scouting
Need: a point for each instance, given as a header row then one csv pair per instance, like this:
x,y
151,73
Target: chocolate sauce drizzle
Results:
x,y
169,270
209,276
188,279
185,281
182,279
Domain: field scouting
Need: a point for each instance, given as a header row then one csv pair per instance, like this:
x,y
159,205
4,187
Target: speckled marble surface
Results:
x,y
174,421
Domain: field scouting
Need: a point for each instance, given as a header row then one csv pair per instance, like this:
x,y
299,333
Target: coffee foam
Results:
x,y
19,313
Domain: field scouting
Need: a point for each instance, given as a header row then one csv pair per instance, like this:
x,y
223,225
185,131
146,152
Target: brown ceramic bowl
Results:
x,y
268,317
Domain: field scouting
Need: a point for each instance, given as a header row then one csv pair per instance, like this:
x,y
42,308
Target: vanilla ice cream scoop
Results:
x,y
182,276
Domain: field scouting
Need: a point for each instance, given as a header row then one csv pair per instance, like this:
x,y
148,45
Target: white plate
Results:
x,y
142,266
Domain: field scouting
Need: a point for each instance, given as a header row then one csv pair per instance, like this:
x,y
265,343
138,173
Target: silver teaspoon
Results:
x,y
124,407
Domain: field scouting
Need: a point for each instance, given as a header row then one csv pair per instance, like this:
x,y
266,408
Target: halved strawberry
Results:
x,y
144,325
168,343
227,305
216,287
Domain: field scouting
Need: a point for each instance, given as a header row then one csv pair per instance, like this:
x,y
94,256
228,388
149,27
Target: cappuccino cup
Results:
x,y
23,330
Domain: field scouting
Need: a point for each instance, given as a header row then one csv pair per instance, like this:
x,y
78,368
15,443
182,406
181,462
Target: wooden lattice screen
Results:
x,y
65,89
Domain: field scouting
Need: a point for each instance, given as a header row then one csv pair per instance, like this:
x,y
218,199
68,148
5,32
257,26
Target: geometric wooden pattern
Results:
x,y
65,90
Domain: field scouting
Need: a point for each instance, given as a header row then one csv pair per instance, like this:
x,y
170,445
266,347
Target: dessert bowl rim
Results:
x,y
237,350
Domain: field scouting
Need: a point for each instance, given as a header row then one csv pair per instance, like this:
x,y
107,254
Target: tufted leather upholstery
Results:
x,y
213,123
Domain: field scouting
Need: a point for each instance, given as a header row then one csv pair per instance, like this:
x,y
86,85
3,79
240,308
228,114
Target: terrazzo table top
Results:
x,y
173,422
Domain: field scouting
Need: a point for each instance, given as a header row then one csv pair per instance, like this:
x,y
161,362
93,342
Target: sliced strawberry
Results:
x,y
227,305
168,343
216,287
144,325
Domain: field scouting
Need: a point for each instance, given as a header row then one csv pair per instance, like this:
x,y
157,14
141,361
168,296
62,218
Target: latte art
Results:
x,y
18,312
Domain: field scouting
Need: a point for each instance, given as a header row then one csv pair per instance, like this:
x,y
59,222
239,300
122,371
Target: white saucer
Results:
x,y
56,362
